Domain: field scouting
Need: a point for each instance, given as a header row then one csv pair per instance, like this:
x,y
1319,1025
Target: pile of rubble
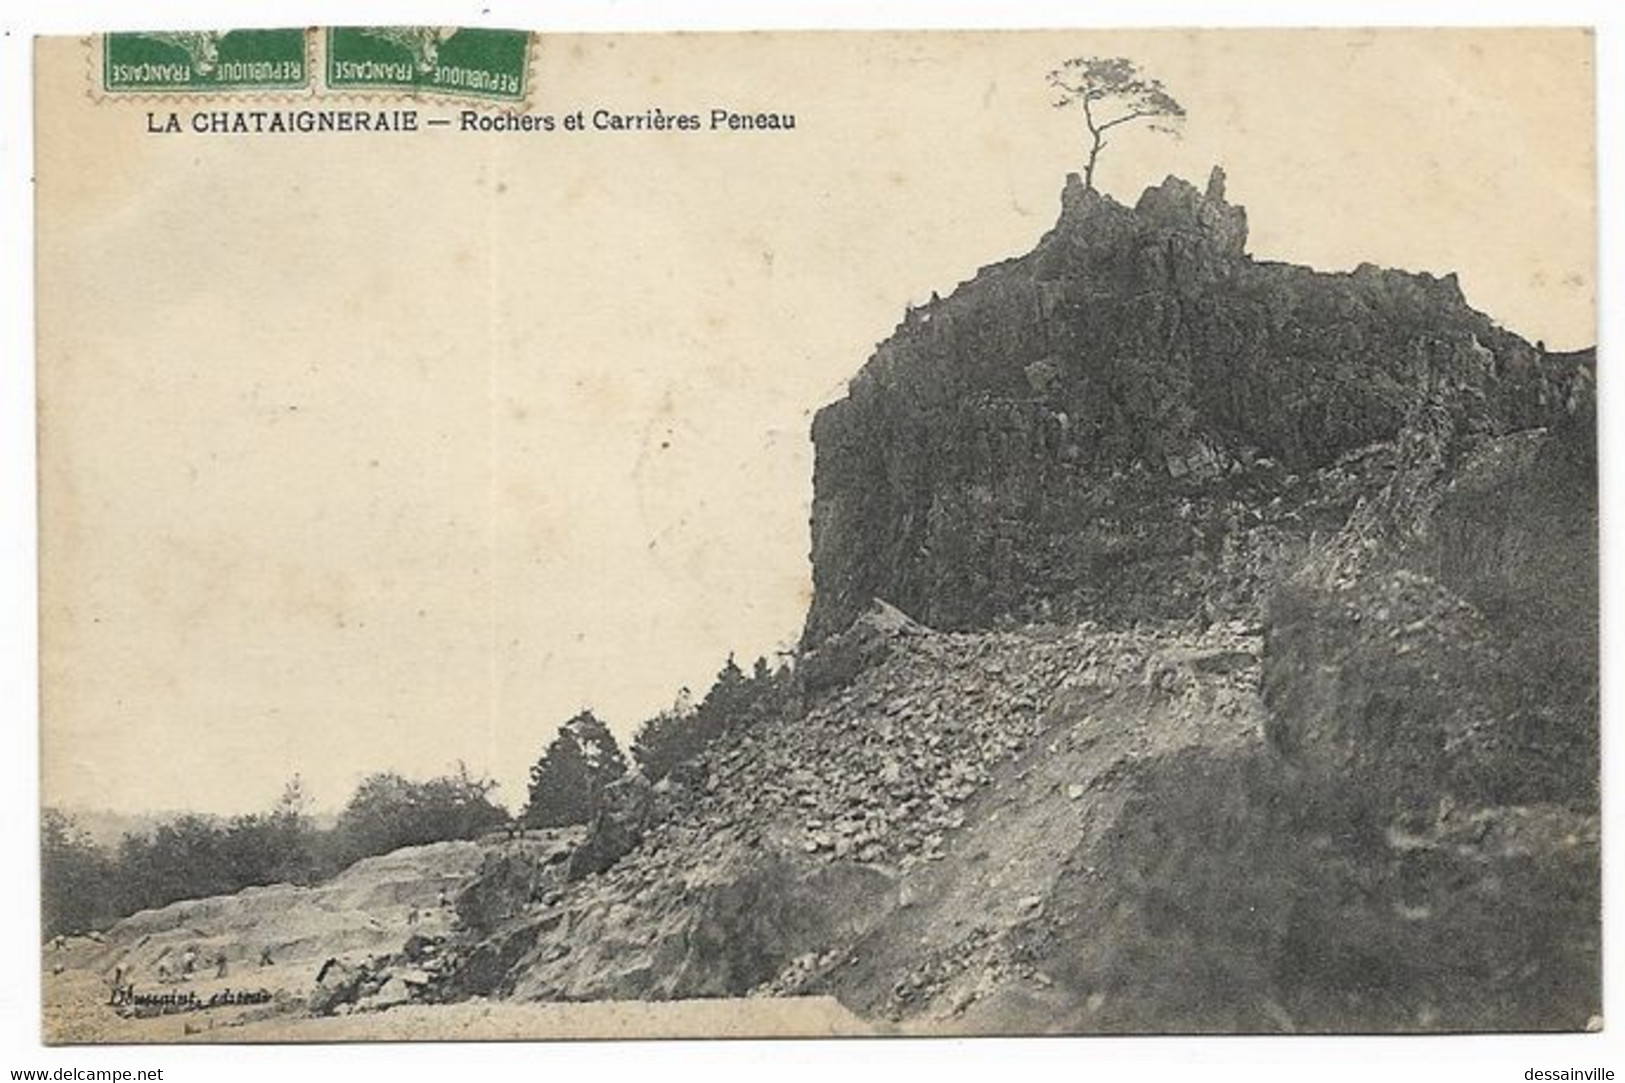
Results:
x,y
879,771
877,774
381,981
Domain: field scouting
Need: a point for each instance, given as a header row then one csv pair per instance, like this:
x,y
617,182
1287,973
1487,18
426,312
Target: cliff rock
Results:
x,y
1065,433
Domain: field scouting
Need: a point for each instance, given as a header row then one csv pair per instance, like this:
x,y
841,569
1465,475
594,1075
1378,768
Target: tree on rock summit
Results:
x,y
1112,92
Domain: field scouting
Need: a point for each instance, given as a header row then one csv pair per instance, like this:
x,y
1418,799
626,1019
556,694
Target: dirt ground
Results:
x,y
77,1012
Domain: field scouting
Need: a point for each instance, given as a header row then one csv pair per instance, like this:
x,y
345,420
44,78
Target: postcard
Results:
x,y
816,533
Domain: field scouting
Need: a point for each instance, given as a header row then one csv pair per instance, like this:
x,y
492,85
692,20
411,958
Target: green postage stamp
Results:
x,y
474,63
470,63
205,61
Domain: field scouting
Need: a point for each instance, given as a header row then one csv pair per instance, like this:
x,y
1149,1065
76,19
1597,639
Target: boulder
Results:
x,y
338,982
873,636
628,806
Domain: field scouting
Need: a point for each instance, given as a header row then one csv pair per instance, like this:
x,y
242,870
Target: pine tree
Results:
x,y
1113,92
681,734
667,739
577,764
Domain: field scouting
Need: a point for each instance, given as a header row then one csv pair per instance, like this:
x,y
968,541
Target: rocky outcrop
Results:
x,y
1444,641
1000,452
1198,644
1230,894
1431,677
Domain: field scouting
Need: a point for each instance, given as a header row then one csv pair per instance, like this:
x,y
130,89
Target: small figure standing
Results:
x,y
265,955
220,965
123,985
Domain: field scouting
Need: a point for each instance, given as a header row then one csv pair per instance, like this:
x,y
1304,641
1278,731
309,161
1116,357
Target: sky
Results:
x,y
397,451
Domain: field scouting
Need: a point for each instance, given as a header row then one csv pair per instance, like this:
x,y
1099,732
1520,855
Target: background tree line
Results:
x,y
85,885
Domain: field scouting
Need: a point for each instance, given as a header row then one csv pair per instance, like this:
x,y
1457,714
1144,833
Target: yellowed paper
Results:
x,y
390,445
